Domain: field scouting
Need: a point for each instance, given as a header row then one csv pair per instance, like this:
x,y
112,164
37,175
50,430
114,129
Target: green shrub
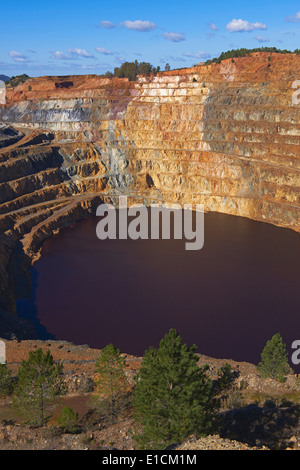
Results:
x,y
225,377
6,384
281,379
68,420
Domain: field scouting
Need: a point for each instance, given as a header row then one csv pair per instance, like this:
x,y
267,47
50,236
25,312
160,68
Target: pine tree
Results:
x,y
173,395
39,381
274,359
111,382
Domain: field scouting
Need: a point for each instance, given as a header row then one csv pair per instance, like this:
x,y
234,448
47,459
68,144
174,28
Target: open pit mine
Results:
x,y
223,135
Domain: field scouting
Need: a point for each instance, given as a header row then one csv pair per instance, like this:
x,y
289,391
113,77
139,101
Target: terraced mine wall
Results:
x,y
225,135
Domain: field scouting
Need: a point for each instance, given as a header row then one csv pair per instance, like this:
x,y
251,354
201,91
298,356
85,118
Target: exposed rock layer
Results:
x,y
225,135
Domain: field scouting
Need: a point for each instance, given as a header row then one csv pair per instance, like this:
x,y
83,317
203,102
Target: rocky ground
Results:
x,y
215,442
257,413
19,438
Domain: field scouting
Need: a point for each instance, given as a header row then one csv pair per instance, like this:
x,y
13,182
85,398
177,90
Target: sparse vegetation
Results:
x,y
184,398
234,401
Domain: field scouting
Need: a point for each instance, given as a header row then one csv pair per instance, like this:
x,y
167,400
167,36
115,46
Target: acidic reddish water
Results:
x,y
228,298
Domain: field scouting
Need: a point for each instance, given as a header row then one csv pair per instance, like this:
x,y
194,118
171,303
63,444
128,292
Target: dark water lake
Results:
x,y
228,298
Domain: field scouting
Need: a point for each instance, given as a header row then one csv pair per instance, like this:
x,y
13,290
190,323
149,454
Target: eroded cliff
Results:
x,y
225,135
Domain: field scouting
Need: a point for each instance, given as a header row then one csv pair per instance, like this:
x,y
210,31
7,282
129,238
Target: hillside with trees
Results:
x,y
131,70
18,80
243,52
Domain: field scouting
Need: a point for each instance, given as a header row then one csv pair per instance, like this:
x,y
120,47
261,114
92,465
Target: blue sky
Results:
x,y
86,37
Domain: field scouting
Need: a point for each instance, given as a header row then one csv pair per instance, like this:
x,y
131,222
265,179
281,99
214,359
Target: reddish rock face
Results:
x,y
225,135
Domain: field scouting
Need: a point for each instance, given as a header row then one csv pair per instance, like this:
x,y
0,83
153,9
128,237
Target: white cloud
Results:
x,y
139,25
72,54
198,55
107,24
174,37
18,57
294,18
261,39
80,53
241,26
61,56
101,50
213,26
